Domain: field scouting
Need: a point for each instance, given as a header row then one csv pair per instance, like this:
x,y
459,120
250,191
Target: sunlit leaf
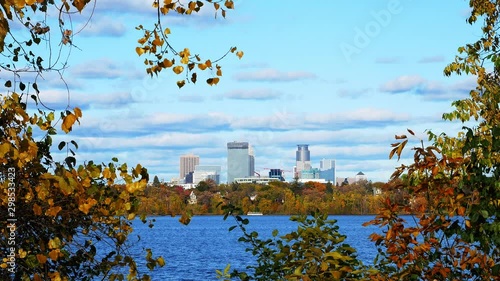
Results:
x,y
178,69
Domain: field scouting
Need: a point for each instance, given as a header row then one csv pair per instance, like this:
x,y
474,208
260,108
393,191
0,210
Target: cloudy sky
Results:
x,y
341,76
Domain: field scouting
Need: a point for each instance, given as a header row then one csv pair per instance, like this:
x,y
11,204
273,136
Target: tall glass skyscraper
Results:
x,y
240,160
303,159
327,170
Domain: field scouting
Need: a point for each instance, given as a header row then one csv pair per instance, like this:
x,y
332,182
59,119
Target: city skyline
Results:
x,y
241,155
344,78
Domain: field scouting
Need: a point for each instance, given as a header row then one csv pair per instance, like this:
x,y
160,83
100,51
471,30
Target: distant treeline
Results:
x,y
281,198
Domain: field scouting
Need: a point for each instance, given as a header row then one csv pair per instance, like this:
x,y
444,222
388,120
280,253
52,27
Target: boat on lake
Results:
x,y
254,214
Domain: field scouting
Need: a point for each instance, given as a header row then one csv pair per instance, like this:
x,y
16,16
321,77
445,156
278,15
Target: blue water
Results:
x,y
195,251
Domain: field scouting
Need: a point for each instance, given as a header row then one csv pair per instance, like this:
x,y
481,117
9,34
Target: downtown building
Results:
x,y
240,161
327,170
206,172
302,160
187,166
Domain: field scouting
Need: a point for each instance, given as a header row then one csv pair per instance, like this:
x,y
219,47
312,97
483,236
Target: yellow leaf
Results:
x,y
68,122
4,149
139,50
53,211
64,186
85,207
181,83
135,186
22,253
202,66
219,72
167,63
161,261
239,54
55,276
30,2
178,69
78,112
208,63
467,223
167,31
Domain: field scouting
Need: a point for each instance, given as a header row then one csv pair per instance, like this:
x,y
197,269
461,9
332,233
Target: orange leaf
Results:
x,y
78,112
37,209
68,122
41,258
54,254
53,211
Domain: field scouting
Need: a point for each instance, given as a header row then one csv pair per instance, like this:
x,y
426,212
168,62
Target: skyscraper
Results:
x,y
187,164
327,170
302,158
240,160
251,158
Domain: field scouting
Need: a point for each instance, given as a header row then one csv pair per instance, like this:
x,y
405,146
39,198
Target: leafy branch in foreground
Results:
x,y
315,251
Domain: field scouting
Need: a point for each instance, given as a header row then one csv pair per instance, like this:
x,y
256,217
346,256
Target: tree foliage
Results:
x,y
65,221
315,251
456,234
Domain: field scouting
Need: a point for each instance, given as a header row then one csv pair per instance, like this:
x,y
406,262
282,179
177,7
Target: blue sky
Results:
x,y
341,76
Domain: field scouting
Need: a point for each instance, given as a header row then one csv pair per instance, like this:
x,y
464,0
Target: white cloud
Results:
x,y
403,84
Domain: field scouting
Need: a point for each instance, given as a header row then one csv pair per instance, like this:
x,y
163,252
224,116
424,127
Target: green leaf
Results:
x,y
75,144
61,145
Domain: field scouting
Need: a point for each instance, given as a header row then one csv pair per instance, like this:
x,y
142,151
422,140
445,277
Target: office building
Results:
x,y
303,159
276,174
204,172
240,161
187,164
251,158
327,170
313,173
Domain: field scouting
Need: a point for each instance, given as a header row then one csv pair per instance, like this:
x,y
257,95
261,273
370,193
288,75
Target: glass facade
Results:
x,y
239,161
204,172
327,170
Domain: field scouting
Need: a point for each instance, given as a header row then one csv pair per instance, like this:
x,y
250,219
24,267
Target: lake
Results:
x,y
195,251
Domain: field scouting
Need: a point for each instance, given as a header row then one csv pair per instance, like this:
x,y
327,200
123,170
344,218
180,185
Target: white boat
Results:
x,y
254,214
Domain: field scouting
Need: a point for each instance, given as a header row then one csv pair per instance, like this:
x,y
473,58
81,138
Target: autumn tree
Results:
x,y
455,234
60,220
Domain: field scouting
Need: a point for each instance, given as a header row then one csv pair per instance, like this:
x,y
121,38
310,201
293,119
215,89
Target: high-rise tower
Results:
x,y
240,160
187,164
302,158
327,170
